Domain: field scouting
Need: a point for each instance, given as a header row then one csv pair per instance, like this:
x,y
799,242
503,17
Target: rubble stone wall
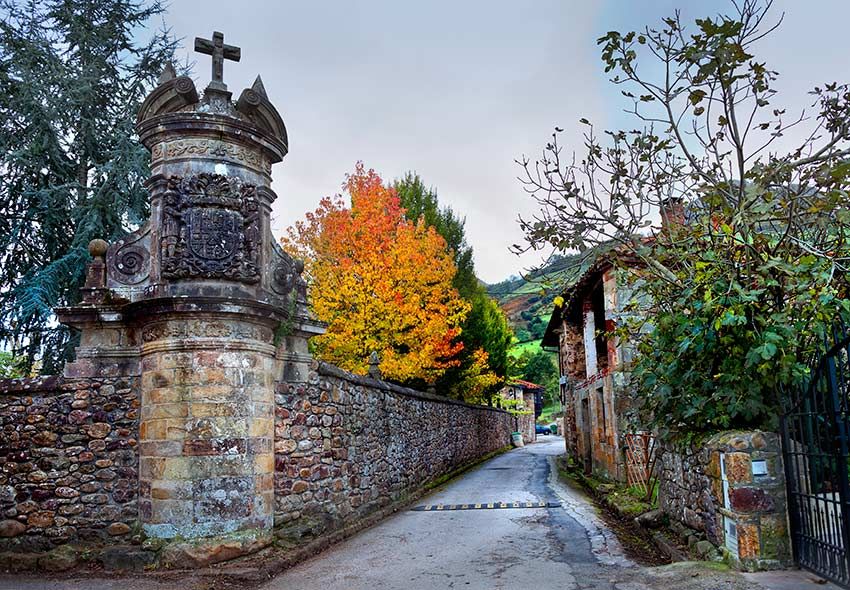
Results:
x,y
68,461
346,446
736,476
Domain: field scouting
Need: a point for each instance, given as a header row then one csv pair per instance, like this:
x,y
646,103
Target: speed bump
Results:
x,y
485,506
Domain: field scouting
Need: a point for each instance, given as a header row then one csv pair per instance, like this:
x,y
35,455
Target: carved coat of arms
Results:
x,y
214,233
210,229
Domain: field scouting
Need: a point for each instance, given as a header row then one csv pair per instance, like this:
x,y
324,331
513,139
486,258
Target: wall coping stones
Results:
x,y
50,383
28,385
328,370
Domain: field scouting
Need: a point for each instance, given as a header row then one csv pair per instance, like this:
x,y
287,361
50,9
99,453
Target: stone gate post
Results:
x,y
208,305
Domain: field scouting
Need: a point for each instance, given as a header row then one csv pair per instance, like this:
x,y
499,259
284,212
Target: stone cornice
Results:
x,y
329,370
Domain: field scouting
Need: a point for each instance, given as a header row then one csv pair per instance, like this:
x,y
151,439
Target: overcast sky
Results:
x,y
456,90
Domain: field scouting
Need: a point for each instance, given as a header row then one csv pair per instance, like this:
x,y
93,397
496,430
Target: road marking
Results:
x,y
488,506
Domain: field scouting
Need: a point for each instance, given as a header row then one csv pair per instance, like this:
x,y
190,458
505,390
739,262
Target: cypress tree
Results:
x,y
72,76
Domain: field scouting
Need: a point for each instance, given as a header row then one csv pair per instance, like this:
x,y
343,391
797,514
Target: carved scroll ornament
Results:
x,y
128,260
286,275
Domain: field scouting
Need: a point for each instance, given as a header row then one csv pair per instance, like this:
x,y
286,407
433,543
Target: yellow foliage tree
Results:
x,y
381,283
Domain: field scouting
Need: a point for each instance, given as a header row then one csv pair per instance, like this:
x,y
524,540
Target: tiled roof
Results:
x,y
525,384
596,260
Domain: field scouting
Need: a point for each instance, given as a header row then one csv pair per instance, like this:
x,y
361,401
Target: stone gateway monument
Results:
x,y
193,425
204,306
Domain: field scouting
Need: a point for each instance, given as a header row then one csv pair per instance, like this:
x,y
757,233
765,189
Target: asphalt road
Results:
x,y
562,546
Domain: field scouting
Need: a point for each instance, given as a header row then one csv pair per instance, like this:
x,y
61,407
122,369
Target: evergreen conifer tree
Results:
x,y
72,76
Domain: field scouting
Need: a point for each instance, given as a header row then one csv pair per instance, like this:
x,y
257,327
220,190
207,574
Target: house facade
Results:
x,y
529,403
593,368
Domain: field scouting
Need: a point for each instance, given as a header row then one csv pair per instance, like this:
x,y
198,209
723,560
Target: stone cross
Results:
x,y
219,52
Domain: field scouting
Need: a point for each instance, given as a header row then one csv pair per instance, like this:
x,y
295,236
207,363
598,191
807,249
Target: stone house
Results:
x,y
530,402
593,367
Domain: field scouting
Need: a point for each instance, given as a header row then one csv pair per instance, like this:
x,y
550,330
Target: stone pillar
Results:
x,y
209,309
611,310
207,420
589,339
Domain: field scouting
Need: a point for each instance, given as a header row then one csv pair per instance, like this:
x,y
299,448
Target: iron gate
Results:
x,y
815,443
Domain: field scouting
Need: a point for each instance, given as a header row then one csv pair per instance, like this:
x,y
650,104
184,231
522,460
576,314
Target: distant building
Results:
x,y
529,398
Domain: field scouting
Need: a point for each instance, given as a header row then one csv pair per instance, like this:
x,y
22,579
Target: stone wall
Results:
x,y
346,446
687,492
68,461
596,407
732,478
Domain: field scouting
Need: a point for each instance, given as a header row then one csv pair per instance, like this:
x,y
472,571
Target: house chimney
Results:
x,y
672,212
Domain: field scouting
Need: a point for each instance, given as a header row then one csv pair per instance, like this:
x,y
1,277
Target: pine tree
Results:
x,y
72,76
485,328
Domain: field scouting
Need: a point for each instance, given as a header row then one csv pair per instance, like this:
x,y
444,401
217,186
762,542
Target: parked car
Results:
x,y
540,429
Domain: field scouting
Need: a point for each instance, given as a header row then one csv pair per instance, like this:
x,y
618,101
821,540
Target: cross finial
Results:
x,y
219,52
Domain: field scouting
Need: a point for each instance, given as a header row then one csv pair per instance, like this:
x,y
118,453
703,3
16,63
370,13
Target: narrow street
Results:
x,y
562,546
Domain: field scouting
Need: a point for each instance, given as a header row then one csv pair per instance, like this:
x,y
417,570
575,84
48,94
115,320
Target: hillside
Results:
x,y
527,300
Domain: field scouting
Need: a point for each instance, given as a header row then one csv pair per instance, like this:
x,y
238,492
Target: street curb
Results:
x,y
659,540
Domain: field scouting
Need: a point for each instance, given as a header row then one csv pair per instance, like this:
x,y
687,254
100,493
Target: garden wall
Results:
x,y
730,489
68,461
346,445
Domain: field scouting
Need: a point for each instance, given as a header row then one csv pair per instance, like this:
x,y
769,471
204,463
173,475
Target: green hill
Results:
x,y
527,300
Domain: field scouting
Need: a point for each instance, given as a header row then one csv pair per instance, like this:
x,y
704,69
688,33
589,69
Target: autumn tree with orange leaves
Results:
x,y
382,283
